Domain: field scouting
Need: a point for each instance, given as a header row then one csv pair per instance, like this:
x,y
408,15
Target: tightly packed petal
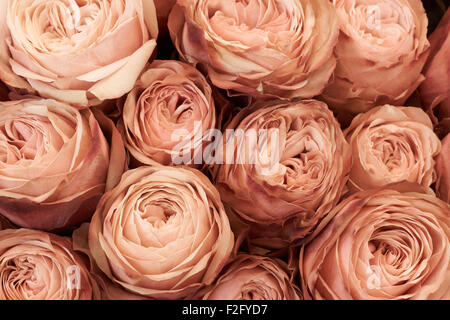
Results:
x,y
36,265
55,163
443,171
168,113
286,166
251,277
380,244
435,90
264,48
381,51
161,233
392,144
79,52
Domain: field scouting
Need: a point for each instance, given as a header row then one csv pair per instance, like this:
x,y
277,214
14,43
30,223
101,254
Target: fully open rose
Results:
x,y
35,265
392,144
381,244
288,167
55,163
167,112
443,171
381,51
266,48
251,277
81,52
161,233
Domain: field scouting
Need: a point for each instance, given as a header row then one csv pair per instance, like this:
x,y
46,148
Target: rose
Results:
x,y
392,144
161,233
380,244
82,53
55,163
264,48
252,277
35,265
381,51
443,171
167,112
435,90
288,167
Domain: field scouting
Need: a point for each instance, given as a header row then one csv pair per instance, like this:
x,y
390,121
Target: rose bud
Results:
x,y
36,265
168,113
161,233
443,171
285,166
435,90
81,53
252,277
380,244
55,163
381,51
270,48
392,144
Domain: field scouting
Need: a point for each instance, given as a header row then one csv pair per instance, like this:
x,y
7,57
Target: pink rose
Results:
x,y
443,171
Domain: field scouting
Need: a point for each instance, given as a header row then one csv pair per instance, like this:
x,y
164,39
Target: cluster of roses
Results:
x,y
356,207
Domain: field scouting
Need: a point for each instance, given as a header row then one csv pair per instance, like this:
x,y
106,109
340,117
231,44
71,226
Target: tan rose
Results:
x,y
35,265
264,48
82,52
285,168
380,244
252,277
55,163
381,51
443,171
161,233
167,112
392,144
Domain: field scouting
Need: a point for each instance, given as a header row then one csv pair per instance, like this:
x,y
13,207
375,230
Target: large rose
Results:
x,y
161,233
392,144
167,114
81,52
265,48
443,171
435,90
251,277
55,163
381,51
35,265
285,167
381,244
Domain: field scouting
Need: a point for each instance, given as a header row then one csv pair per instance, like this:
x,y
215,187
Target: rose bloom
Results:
x,y
443,171
392,144
161,233
55,163
36,265
82,52
167,112
435,90
381,51
252,277
285,179
380,244
268,48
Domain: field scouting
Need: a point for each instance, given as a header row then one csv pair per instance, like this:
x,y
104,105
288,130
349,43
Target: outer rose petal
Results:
x,y
381,51
443,171
161,233
269,48
55,163
35,265
380,244
435,90
251,277
73,55
392,144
